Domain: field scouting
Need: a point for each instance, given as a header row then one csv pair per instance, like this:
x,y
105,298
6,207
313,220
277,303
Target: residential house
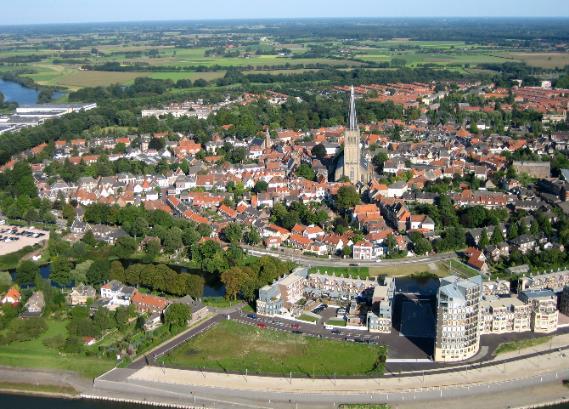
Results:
x,y
81,294
117,294
13,296
145,303
35,305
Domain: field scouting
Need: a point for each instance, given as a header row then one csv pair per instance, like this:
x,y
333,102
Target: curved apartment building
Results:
x,y
458,314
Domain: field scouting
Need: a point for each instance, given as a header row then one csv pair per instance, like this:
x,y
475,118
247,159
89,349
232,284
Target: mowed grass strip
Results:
x,y
234,347
38,389
521,344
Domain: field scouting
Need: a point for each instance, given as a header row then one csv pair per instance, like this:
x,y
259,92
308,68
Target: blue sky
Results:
x,y
63,11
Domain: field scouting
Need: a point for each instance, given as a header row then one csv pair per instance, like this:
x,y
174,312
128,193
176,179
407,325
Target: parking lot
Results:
x,y
13,238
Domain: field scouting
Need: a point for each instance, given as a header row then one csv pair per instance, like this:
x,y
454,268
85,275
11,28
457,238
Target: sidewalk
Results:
x,y
545,363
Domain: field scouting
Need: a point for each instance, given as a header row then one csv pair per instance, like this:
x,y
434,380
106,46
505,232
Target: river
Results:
x,y
14,92
28,402
32,402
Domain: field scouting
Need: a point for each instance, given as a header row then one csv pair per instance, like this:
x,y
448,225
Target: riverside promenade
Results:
x,y
531,374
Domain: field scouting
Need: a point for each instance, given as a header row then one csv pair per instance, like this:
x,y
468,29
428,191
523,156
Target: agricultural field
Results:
x,y
235,347
164,56
543,60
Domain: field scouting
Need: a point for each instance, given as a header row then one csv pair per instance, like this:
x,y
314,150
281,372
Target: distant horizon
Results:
x,y
54,12
255,19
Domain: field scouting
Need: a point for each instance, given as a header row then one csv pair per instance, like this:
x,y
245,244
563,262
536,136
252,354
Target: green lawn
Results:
x,y
235,347
307,318
11,261
218,302
354,272
33,354
24,387
522,344
336,322
363,406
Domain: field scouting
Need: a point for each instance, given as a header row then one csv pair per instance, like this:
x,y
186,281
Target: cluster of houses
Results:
x,y
112,295
423,154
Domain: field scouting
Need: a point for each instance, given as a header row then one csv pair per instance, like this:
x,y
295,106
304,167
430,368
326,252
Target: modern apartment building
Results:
x,y
544,314
500,315
458,313
379,319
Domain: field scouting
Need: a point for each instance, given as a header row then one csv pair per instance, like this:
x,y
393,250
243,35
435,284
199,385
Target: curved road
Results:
x,y
339,262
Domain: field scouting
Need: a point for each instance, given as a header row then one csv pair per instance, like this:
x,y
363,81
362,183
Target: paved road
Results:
x,y
223,397
338,262
399,347
151,357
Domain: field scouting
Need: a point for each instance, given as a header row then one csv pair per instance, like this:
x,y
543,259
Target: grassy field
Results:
x,y
545,60
73,78
230,346
522,344
336,322
307,318
33,354
354,272
438,268
218,302
48,389
10,261
363,406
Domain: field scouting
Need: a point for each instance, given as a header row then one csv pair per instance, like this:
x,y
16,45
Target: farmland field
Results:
x,y
545,60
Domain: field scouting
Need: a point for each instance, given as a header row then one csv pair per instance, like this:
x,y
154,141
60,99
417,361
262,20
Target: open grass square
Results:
x,y
234,347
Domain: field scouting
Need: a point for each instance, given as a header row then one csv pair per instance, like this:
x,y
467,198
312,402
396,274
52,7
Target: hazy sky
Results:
x,y
56,11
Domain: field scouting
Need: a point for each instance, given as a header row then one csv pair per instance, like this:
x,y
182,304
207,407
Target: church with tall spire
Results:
x,y
351,164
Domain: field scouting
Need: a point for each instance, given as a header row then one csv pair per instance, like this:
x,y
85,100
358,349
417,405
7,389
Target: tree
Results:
x,y
177,316
26,273
98,273
512,231
497,236
152,249
68,213
156,144
484,241
306,171
422,246
261,186
124,247
347,198
233,279
61,271
534,228
252,236
233,233
379,159
319,151
117,272
173,240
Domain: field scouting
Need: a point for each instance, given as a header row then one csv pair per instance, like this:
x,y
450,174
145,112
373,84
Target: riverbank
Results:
x,y
46,391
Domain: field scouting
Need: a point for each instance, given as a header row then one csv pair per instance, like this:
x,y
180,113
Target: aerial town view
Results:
x,y
248,204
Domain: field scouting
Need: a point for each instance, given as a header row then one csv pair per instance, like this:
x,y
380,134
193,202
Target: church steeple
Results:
x,y
353,116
